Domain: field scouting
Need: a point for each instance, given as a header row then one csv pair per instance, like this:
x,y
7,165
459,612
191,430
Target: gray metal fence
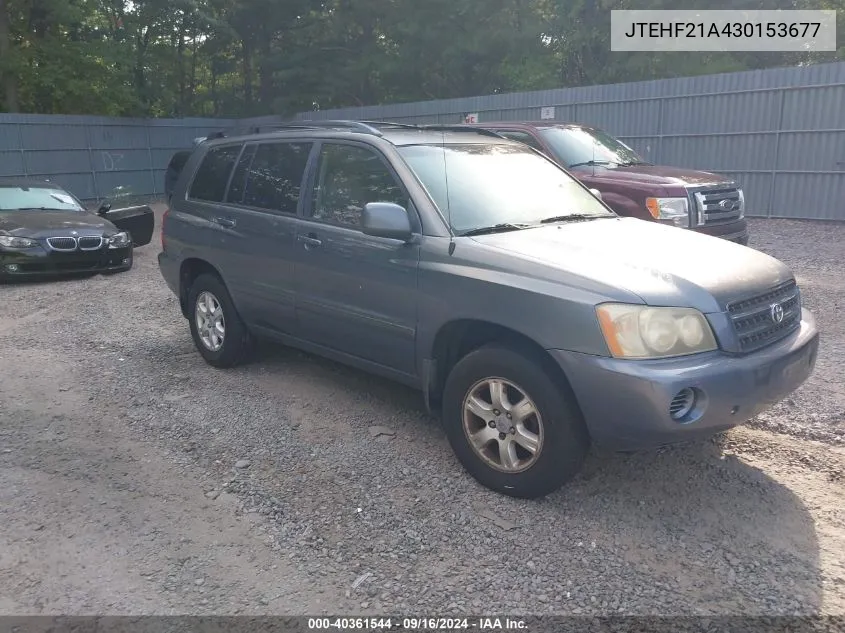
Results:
x,y
96,157
779,132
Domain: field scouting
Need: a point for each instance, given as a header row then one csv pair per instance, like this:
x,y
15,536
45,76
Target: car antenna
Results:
x,y
448,203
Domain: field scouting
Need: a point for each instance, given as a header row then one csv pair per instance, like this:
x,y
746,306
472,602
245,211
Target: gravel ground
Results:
x,y
137,479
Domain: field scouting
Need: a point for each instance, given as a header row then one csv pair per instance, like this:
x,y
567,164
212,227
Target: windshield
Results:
x,y
478,186
578,146
14,198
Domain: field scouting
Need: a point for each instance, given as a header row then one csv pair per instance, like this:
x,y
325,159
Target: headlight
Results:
x,y
635,331
119,240
10,241
676,210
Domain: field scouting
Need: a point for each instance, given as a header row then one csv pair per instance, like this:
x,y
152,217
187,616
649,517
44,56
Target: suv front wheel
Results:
x,y
512,428
218,332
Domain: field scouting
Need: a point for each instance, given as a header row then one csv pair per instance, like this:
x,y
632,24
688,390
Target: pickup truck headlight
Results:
x,y
637,331
119,240
10,241
675,210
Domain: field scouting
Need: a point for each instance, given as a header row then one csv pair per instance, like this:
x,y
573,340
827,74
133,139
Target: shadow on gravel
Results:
x,y
706,524
274,356
48,279
708,520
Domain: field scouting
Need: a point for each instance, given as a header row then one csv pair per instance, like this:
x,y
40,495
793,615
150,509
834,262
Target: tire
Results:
x,y
234,340
559,431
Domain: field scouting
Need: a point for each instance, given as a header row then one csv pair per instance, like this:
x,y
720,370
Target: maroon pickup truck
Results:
x,y
701,201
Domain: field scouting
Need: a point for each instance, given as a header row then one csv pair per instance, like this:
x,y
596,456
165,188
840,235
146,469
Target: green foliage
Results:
x,y
240,58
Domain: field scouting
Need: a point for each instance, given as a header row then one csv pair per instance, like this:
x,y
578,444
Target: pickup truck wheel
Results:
x,y
218,332
510,425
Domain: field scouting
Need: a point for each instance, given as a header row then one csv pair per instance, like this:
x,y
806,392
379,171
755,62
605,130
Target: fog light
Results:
x,y
682,404
12,268
125,260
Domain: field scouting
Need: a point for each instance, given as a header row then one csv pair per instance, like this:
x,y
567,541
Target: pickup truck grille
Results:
x,y
717,205
766,318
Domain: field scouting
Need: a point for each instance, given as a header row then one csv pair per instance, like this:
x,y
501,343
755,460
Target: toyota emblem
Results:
x,y
777,312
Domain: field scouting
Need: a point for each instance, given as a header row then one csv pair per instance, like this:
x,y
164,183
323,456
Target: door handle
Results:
x,y
309,240
229,223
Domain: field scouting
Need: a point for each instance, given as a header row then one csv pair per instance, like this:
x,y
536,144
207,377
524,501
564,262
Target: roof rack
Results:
x,y
457,127
445,127
292,125
368,127
314,125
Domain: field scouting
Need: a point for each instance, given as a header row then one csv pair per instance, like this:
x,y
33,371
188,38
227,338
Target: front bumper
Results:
x,y
736,231
40,262
626,403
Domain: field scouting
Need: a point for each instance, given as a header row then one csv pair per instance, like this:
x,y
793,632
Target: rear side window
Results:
x,y
274,178
213,174
174,169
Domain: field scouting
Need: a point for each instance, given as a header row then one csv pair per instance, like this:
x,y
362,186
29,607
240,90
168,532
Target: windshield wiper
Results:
x,y
42,209
632,163
593,163
575,217
496,228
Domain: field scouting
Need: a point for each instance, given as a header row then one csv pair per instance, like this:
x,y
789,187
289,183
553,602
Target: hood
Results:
x,y
661,264
653,175
52,223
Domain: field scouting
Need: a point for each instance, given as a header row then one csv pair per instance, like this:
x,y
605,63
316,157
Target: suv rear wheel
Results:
x,y
513,429
218,332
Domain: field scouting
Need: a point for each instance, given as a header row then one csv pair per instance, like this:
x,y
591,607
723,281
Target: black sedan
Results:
x,y
44,230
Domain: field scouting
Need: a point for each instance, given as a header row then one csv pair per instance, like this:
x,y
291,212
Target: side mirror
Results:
x,y
596,193
385,219
105,207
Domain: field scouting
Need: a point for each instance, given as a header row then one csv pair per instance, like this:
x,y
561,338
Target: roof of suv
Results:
x,y
531,124
398,134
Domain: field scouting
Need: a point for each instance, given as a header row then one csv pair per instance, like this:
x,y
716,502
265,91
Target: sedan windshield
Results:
x,y
588,146
503,186
36,198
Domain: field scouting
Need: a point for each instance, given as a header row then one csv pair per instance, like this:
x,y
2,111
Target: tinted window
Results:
x,y
522,137
213,174
274,178
174,169
178,160
350,177
236,189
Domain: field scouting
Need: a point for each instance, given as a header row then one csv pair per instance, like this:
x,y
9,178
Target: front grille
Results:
x,y
85,243
756,319
719,205
90,243
62,243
